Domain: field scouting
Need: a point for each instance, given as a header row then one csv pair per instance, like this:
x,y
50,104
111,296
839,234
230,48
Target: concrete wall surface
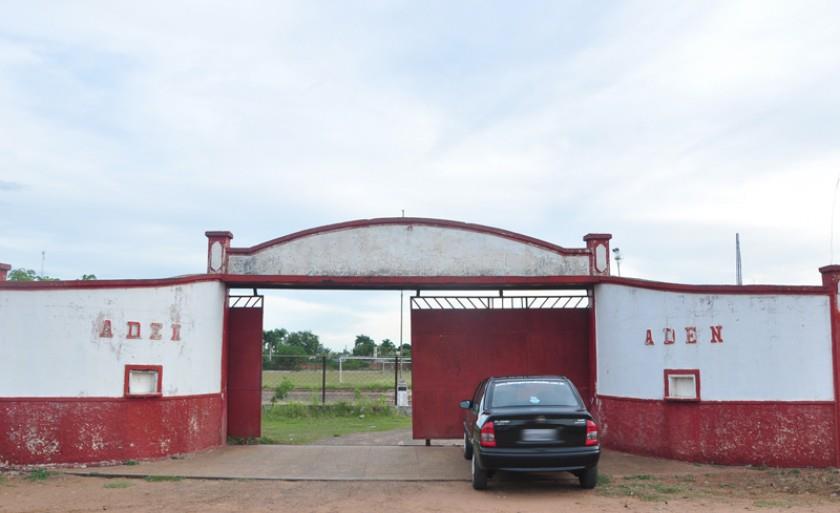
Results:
x,y
413,250
770,347
76,342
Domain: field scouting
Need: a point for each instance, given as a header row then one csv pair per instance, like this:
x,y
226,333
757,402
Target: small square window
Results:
x,y
682,384
143,380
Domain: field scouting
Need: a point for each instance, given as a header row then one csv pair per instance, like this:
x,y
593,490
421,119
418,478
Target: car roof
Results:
x,y
527,378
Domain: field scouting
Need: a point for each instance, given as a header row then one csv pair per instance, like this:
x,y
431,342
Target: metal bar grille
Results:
x,y
499,302
245,301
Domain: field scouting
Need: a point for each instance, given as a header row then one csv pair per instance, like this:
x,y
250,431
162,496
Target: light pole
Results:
x,y
617,255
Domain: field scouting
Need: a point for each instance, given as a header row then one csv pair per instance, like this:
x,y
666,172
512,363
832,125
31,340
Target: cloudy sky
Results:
x,y
128,129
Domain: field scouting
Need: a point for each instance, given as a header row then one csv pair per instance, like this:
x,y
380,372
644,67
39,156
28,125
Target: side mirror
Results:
x,y
466,404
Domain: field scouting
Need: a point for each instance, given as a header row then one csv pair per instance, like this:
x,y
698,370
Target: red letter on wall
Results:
x,y
105,331
155,327
649,338
176,332
690,335
133,329
717,334
670,335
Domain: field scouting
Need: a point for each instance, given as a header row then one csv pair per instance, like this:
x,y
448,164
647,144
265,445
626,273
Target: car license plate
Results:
x,y
539,435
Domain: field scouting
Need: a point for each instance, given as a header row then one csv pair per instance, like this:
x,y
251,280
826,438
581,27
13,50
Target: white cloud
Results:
x,y
132,129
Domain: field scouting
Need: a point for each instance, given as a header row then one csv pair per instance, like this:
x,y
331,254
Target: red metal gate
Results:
x,y
244,372
457,342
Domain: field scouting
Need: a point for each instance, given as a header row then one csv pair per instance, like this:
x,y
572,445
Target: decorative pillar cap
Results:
x,y
597,236
219,234
829,269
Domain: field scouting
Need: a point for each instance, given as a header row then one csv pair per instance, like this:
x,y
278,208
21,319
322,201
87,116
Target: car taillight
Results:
x,y
488,435
591,433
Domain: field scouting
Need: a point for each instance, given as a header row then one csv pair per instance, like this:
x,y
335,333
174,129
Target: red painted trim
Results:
x,y
129,368
593,352
106,284
225,351
831,281
496,282
713,289
410,282
682,372
736,402
98,399
408,221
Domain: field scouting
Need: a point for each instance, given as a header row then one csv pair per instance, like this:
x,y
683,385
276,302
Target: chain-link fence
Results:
x,y
323,379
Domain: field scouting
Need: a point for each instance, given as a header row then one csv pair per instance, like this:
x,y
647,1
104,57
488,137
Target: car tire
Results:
x,y
589,478
479,475
468,448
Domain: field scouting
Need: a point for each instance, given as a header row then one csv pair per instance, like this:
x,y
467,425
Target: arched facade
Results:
x,y
110,370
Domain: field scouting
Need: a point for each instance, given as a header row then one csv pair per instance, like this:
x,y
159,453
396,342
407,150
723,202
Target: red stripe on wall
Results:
x,y
91,430
784,434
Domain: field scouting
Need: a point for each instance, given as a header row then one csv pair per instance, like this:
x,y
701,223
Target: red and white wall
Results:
x,y
65,357
762,367
722,374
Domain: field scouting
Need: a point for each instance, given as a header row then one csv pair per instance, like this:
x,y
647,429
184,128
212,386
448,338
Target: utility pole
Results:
x,y
43,259
738,277
831,223
399,350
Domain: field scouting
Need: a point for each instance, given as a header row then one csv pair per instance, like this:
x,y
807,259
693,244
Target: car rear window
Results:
x,y
533,393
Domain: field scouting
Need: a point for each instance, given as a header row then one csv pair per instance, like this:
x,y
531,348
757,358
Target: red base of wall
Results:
x,y
59,430
781,434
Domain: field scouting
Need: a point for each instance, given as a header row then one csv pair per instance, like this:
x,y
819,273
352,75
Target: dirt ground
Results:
x,y
711,492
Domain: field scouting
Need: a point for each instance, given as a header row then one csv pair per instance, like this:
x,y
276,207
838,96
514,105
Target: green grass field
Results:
x,y
372,380
297,424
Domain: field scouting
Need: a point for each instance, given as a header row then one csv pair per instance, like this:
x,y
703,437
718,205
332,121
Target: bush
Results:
x,y
282,390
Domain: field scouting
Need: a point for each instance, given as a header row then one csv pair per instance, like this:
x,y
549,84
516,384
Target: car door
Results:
x,y
471,415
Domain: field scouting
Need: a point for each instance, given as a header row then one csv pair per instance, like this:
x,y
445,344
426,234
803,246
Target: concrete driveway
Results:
x,y
353,463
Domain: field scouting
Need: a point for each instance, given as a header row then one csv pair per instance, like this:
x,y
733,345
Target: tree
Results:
x,y
306,341
405,350
363,346
27,275
273,339
31,275
387,348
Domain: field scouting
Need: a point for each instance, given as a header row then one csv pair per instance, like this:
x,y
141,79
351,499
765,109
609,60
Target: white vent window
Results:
x,y
682,386
143,381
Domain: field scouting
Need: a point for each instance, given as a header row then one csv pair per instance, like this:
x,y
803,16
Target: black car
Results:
x,y
529,424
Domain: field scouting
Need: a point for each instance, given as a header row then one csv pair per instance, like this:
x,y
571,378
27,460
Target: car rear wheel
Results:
x,y
589,478
479,475
468,449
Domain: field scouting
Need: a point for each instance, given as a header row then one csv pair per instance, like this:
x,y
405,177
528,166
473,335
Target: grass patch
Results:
x,y
160,479
604,480
299,423
130,462
117,483
39,475
642,486
774,503
310,379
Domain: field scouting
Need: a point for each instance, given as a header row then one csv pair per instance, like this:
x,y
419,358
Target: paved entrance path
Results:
x,y
354,463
